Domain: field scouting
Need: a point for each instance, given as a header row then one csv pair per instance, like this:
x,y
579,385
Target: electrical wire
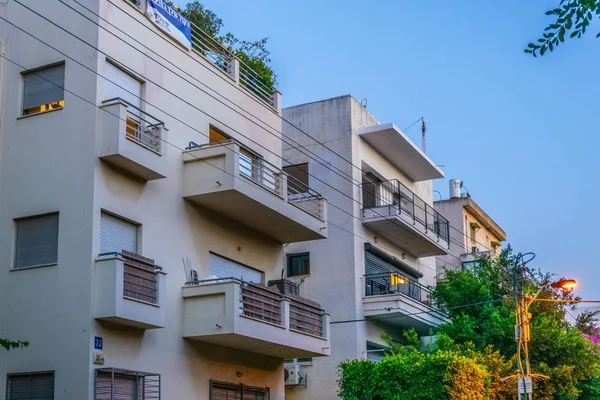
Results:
x,y
278,135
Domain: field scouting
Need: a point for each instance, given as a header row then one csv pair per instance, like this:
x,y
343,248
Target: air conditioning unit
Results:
x,y
474,249
293,375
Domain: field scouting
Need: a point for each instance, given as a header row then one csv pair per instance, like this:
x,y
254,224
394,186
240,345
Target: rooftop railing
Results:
x,y
268,176
393,193
225,60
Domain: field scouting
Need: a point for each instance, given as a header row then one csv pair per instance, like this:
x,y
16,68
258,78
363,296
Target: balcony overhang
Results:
x,y
404,231
213,313
405,312
396,147
212,179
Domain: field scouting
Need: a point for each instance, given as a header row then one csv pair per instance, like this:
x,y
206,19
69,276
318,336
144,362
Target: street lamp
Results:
x,y
522,328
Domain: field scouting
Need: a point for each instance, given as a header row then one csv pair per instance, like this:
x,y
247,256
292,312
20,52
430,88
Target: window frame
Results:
x,y
289,257
16,240
266,391
22,112
138,228
30,374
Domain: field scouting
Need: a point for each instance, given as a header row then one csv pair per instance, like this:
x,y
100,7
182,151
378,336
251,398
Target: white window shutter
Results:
x,y
117,235
119,83
224,268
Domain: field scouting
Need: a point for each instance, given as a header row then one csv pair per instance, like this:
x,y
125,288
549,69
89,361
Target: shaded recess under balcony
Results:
x,y
222,177
232,313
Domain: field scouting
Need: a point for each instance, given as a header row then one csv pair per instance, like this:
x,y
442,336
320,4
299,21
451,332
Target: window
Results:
x,y
36,241
116,384
216,136
222,267
298,264
228,391
43,89
299,173
299,361
117,235
30,386
470,265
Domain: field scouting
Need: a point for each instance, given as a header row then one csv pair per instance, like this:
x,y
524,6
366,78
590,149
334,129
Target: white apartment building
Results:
x,y
372,273
473,233
143,211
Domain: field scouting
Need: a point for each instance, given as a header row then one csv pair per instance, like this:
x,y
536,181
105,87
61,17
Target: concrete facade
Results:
x,y
51,162
337,265
473,234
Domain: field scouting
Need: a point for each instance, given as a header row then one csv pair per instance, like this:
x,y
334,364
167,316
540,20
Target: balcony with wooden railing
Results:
x,y
252,317
129,290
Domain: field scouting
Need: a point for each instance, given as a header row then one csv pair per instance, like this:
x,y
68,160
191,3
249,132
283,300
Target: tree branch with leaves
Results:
x,y
573,18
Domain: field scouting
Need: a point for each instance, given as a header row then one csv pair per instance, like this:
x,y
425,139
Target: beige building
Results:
x,y
143,211
473,232
374,271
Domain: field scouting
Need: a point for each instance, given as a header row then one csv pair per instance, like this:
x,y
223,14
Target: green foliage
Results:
x,y
11,344
573,18
252,53
477,348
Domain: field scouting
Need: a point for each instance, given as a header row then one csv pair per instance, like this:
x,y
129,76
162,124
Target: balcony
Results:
x,y
250,317
131,140
129,291
401,302
229,180
405,219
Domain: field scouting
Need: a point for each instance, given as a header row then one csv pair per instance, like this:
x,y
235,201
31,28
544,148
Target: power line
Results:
x,y
324,163
180,119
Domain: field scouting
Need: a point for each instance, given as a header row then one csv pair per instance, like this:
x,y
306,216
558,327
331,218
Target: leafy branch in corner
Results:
x,y
12,344
573,17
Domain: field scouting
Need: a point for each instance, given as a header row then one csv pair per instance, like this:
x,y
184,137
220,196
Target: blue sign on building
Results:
x,y
170,21
98,343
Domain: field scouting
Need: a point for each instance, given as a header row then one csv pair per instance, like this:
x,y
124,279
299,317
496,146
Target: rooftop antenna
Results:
x,y
423,140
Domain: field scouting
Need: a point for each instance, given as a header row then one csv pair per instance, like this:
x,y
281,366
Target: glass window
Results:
x,y
43,89
30,386
298,264
36,241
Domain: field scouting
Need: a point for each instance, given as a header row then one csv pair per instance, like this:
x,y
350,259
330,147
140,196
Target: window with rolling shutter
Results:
x,y
115,384
36,241
30,386
120,84
224,268
44,89
229,391
117,235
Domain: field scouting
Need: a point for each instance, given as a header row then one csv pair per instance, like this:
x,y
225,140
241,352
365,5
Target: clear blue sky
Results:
x,y
521,132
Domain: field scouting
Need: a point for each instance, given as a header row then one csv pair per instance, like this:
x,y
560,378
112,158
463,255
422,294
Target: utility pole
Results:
x,y
522,329
423,140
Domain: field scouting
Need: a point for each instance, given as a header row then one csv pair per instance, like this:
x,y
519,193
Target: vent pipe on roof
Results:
x,y
455,186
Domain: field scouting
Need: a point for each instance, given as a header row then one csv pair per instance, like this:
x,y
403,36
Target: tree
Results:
x,y
252,53
558,349
573,18
11,344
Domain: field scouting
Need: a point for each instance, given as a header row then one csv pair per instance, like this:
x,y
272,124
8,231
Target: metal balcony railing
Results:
x,y
140,276
393,282
141,127
393,193
268,176
264,304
